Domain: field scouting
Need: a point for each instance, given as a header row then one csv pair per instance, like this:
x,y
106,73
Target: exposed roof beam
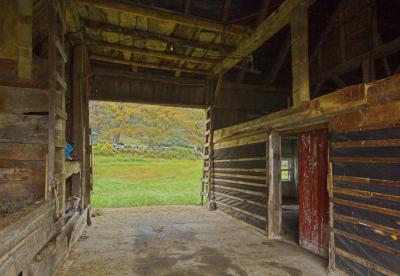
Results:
x,y
164,38
166,16
101,71
152,53
231,86
354,63
147,65
270,26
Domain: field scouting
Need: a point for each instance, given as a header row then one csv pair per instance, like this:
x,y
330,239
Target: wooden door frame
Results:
x,y
274,202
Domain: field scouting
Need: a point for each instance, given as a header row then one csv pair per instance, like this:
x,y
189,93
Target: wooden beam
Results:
x,y
147,65
270,26
166,16
105,27
152,53
231,86
354,63
100,71
300,71
218,88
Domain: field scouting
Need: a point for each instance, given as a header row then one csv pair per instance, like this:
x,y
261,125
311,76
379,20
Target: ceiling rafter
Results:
x,y
223,49
167,16
146,65
152,53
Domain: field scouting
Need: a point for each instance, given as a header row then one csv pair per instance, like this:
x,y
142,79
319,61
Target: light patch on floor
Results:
x,y
182,240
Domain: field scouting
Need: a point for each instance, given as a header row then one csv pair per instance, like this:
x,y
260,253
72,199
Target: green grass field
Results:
x,y
128,182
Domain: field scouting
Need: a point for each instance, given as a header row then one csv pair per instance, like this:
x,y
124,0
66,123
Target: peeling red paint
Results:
x,y
314,200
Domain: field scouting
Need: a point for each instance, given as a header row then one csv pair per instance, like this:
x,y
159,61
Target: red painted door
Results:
x,y
313,192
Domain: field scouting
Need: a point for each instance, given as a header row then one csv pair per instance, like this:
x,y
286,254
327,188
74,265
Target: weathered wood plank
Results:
x,y
23,128
22,100
300,75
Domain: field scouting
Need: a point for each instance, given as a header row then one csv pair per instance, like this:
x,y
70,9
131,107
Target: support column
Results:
x,y
274,194
78,180
300,70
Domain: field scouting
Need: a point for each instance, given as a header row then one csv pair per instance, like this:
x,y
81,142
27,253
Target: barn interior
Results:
x,y
303,124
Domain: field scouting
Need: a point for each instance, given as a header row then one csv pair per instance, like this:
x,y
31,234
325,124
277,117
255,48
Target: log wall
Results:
x,y
365,162
23,143
239,178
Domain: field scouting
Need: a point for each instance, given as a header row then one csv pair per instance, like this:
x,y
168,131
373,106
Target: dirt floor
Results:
x,y
182,240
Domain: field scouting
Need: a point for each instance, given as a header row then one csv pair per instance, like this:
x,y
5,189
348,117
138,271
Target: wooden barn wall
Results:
x,y
239,178
23,143
365,164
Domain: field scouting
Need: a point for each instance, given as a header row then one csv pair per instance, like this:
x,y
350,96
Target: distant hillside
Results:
x,y
138,124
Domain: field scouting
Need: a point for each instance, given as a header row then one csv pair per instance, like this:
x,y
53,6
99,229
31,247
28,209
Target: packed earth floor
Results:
x,y
182,240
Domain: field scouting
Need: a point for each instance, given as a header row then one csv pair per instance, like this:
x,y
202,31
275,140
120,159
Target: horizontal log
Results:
x,y
238,170
246,183
242,211
363,180
370,265
23,128
105,27
240,176
366,194
373,225
365,159
241,190
16,151
367,207
241,140
166,16
22,100
366,143
152,53
368,242
146,65
181,81
317,111
240,159
242,199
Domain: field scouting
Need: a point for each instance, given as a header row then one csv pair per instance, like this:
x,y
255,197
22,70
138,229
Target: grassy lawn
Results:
x,y
128,182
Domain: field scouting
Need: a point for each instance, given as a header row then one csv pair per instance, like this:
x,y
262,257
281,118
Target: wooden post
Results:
x,y
274,195
77,130
300,71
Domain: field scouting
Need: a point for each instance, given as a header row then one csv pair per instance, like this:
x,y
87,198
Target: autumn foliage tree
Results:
x,y
147,124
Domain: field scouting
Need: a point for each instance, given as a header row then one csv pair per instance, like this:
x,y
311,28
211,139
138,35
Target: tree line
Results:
x,y
151,125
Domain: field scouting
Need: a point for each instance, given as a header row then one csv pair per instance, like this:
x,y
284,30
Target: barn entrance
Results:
x,y
145,154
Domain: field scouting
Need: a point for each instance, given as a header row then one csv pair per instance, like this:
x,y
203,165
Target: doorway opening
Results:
x,y
298,198
290,188
145,154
